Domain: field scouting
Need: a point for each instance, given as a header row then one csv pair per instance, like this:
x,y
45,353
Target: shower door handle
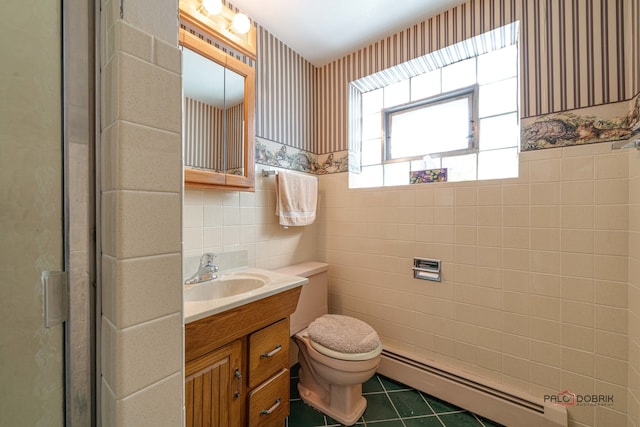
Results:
x,y
56,295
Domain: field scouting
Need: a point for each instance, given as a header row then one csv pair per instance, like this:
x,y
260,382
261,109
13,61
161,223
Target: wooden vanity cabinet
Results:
x,y
236,365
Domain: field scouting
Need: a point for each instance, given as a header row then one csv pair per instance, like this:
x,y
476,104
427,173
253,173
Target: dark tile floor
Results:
x,y
389,404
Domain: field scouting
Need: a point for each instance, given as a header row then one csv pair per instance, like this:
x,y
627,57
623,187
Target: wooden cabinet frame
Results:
x,y
203,178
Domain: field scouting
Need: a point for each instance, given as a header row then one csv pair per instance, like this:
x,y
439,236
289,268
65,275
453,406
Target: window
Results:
x,y
462,116
434,126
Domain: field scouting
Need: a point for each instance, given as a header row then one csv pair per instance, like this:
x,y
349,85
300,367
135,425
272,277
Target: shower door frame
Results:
x,y
79,180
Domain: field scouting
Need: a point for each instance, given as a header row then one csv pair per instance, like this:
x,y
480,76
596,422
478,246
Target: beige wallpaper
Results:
x,y
633,17
203,122
286,93
572,56
575,54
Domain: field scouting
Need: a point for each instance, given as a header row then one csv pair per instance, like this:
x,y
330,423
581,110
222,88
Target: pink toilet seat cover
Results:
x,y
343,334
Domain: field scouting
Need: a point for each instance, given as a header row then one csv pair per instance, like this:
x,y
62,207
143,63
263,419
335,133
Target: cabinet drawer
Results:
x,y
268,351
269,403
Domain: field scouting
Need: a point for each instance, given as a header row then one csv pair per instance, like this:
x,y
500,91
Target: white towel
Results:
x,y
296,198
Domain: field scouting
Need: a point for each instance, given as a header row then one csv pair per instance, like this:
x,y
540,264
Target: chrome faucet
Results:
x,y
206,271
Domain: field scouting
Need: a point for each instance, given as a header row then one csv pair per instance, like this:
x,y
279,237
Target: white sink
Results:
x,y
234,289
222,288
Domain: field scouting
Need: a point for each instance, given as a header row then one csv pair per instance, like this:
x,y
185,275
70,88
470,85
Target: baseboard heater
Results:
x,y
493,401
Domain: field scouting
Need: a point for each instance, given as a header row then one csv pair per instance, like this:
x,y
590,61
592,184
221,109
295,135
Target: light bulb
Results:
x,y
213,7
241,23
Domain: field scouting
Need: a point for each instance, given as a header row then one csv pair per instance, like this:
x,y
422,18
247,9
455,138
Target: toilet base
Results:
x,y
348,402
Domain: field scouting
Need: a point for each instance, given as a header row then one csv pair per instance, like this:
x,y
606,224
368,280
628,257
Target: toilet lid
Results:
x,y
345,356
344,337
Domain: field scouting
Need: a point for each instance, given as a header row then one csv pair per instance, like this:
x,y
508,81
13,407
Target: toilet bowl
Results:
x,y
331,380
337,354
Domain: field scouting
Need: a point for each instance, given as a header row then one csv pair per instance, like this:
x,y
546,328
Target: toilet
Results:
x,y
337,354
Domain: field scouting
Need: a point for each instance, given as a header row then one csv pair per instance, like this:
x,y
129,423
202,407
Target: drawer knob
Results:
x,y
270,410
271,353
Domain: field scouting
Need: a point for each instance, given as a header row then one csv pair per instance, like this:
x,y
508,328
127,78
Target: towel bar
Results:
x,y
266,173
626,144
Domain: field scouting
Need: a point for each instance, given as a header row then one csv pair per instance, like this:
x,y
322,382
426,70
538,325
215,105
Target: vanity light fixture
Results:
x,y
235,30
240,22
211,7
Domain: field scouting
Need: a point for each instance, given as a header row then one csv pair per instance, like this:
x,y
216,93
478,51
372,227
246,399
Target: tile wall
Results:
x,y
535,269
141,200
634,289
535,272
634,237
226,221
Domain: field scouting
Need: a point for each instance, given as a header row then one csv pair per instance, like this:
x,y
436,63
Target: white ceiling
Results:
x,y
322,31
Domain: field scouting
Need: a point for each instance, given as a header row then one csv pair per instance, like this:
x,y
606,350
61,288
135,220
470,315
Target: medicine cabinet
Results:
x,y
218,110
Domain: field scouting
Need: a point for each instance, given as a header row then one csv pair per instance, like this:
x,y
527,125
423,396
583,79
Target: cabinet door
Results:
x,y
213,388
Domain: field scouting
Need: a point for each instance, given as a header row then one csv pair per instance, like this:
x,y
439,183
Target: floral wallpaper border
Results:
x,y
271,153
604,123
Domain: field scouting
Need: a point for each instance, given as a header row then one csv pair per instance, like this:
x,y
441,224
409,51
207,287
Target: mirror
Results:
x,y
218,108
214,115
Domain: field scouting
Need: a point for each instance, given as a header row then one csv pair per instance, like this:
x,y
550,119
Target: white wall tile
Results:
x,y
159,20
141,289
127,354
537,271
141,216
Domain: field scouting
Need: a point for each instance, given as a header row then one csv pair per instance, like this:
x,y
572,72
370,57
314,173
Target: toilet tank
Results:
x,y
313,296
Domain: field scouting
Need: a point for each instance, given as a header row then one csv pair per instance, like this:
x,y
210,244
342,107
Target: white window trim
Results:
x,y
470,92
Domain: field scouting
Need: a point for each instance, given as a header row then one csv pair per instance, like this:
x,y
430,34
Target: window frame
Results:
x,y
470,92
369,166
